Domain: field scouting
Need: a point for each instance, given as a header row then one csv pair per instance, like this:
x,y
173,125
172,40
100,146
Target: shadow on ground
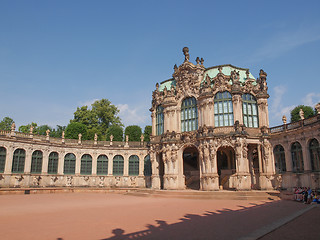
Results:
x,y
222,224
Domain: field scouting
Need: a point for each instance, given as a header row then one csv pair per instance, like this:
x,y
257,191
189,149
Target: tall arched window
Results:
x,y
3,154
297,159
189,115
250,111
223,109
102,165
279,159
118,163
314,151
19,157
69,164
133,165
86,164
147,171
36,162
53,163
159,120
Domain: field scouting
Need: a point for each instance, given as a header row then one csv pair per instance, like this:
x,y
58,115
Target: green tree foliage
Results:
x,y
74,128
26,128
116,131
41,130
100,117
308,112
57,132
147,132
134,132
6,123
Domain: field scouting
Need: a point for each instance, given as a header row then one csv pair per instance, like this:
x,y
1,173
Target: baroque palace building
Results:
x,y
210,131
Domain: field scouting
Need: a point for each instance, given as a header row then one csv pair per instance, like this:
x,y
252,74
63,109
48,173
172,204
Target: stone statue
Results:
x,y
31,130
80,135
202,61
95,137
13,127
62,134
301,114
237,126
47,132
127,138
198,60
284,119
317,107
142,138
185,51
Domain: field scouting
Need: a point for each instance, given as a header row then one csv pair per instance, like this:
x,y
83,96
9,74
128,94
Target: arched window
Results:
x,y
297,159
118,165
3,154
69,164
223,109
53,163
19,157
133,165
86,164
36,162
279,159
159,120
102,165
147,166
189,115
250,111
314,150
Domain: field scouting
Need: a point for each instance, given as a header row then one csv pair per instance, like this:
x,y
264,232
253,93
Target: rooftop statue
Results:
x,y
185,51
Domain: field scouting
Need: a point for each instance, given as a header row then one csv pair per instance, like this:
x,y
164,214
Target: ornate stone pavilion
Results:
x,y
210,129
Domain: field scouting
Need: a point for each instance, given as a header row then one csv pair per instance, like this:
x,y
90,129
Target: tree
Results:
x,y
134,132
116,131
26,128
74,128
6,123
147,132
42,130
308,112
101,116
57,132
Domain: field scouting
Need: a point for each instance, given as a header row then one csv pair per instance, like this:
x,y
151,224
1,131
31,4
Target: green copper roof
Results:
x,y
226,70
212,72
170,83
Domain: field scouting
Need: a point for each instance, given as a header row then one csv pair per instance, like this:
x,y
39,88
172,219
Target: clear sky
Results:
x,y
58,55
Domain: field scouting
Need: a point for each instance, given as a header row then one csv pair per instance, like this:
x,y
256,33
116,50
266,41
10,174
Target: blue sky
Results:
x,y
58,55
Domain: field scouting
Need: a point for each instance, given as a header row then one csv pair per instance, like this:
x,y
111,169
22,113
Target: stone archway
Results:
x,y
191,168
226,166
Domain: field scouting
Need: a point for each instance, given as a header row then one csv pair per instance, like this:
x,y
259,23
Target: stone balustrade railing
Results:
x,y
40,138
295,125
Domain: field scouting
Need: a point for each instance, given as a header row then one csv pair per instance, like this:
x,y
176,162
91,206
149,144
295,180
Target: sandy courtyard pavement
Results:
x,y
116,216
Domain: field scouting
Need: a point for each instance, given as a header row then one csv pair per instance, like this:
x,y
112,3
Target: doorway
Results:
x,y
191,168
226,166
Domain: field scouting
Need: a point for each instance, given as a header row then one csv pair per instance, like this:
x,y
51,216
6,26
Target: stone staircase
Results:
x,y
218,195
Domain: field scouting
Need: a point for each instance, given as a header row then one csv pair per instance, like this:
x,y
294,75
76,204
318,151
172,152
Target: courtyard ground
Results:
x,y
120,216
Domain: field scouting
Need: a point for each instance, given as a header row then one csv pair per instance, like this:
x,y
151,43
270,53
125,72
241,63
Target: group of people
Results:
x,y
306,195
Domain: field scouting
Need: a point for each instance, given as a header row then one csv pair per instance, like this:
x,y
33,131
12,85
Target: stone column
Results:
x,y
45,160
78,163
153,118
126,165
60,162
178,119
155,178
94,163
27,164
141,165
110,164
9,159
287,152
260,159
263,112
237,108
306,157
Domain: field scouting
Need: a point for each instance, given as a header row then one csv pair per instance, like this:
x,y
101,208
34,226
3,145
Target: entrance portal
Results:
x,y
161,169
226,166
191,168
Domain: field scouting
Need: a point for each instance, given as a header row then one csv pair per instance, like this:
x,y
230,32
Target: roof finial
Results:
x,y
185,51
